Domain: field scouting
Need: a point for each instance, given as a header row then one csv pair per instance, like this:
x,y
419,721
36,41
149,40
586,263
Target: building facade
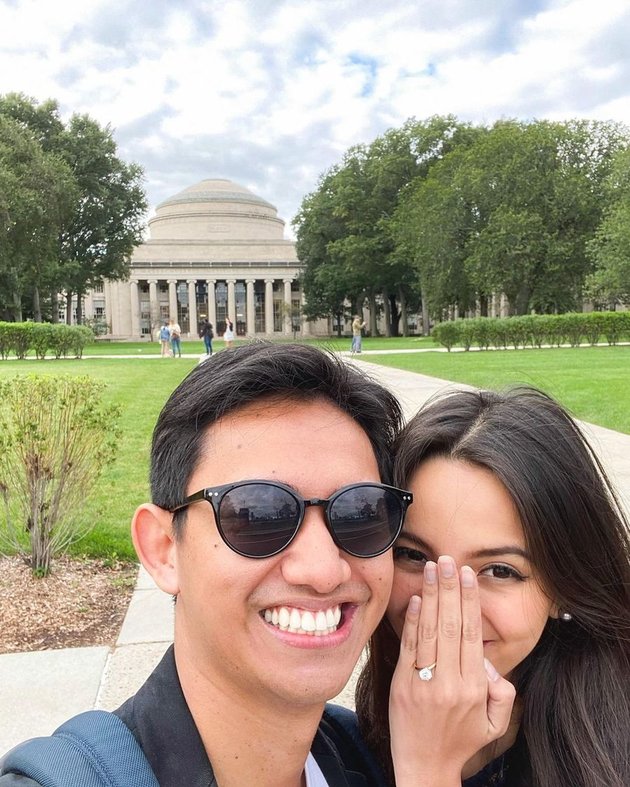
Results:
x,y
215,250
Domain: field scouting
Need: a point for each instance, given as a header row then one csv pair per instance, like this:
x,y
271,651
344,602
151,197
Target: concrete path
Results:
x,y
38,691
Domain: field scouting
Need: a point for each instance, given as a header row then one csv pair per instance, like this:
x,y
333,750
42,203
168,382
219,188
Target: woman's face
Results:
x,y
462,510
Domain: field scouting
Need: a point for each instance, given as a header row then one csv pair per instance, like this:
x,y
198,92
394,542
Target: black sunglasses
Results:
x,y
261,518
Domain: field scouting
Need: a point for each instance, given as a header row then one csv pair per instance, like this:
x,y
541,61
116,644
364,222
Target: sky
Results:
x,y
271,94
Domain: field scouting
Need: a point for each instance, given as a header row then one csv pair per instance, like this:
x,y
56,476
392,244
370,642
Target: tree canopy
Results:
x,y
442,214
71,211
610,248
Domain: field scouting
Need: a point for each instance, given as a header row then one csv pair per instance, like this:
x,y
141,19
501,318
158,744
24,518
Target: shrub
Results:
x,y
613,325
62,340
518,328
572,326
482,332
81,335
555,330
446,333
467,333
20,337
5,340
592,327
499,333
56,436
41,338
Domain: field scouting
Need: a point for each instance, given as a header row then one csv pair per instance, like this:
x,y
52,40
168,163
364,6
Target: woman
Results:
x,y
228,334
508,485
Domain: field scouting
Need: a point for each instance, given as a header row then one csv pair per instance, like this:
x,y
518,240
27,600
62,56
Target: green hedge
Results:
x,y
20,338
534,330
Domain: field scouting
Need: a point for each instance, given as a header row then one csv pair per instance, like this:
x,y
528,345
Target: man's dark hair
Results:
x,y
250,373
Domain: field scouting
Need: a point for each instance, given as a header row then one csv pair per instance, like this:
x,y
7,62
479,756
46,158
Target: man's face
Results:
x,y
225,629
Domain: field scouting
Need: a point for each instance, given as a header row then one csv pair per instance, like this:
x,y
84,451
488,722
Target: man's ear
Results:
x,y
153,538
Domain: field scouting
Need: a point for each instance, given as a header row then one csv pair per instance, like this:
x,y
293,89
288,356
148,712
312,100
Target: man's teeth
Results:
x,y
300,621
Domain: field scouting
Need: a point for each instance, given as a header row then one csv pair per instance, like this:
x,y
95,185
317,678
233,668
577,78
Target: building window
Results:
x,y
278,313
240,319
296,315
182,306
98,287
220,294
259,306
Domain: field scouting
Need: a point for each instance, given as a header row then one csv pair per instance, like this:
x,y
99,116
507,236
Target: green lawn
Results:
x,y
592,382
197,346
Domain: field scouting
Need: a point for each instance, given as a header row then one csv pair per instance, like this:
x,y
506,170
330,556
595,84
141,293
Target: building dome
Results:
x,y
216,209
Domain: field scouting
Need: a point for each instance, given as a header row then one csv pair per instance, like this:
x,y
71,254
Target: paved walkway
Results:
x,y
38,691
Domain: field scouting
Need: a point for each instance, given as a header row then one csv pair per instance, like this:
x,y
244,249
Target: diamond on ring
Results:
x,y
426,673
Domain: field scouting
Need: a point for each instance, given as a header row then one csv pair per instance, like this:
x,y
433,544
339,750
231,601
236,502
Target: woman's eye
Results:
x,y
410,556
501,571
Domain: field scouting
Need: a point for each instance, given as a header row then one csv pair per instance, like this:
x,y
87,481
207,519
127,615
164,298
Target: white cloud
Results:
x,y
272,93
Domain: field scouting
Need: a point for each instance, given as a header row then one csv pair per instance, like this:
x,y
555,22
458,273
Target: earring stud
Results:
x,y
566,616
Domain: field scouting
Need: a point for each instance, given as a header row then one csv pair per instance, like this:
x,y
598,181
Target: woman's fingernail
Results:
x,y
490,670
414,605
430,573
467,577
447,566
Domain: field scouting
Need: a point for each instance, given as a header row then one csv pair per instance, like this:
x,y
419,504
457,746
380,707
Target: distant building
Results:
x,y
215,250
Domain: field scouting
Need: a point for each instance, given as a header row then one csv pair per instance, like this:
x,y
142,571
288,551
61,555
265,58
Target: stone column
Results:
x,y
192,308
154,307
212,303
269,306
109,314
231,304
305,324
287,307
172,299
251,308
135,309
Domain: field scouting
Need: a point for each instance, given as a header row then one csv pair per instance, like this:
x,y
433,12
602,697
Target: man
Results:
x,y
271,528
357,326
165,340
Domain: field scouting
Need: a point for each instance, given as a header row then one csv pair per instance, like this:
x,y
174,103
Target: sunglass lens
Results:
x,y
366,520
258,520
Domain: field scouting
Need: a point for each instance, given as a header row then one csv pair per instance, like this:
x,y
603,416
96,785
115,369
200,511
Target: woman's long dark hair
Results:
x,y
575,685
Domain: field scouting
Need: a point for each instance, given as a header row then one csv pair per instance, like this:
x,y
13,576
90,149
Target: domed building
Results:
x,y
215,250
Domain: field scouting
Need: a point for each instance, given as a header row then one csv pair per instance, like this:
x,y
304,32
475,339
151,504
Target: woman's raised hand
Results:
x,y
446,702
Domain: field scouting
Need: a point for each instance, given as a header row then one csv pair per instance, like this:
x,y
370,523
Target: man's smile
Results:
x,y
304,621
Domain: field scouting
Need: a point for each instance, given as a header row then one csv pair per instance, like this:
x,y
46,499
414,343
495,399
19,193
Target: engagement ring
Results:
x,y
426,673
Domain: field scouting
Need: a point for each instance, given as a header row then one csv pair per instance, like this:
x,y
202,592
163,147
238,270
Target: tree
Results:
x,y
107,221
344,229
96,234
610,248
37,191
323,282
510,213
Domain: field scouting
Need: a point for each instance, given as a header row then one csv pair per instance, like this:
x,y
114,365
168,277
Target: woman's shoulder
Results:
x,y
493,775
509,769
